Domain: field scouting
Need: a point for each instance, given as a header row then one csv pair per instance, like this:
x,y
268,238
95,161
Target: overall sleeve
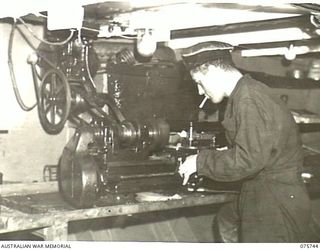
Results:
x,y
251,150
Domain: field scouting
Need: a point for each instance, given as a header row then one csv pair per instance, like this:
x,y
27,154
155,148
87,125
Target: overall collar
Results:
x,y
240,82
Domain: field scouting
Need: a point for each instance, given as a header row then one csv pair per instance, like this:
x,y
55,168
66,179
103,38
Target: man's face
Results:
x,y
211,84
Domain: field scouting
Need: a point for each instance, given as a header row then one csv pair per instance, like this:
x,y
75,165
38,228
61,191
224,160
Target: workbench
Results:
x,y
39,207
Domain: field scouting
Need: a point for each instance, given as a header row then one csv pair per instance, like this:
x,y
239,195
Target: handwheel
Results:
x,y
54,101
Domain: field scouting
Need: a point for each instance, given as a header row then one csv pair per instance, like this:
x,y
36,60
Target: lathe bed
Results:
x,y
40,208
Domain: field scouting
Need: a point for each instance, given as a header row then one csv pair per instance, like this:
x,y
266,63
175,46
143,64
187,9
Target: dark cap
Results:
x,y
201,53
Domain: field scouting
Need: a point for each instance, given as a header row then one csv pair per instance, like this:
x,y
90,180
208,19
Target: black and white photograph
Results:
x,y
159,122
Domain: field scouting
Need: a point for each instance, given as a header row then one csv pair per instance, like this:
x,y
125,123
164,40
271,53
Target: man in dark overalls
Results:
x,y
265,153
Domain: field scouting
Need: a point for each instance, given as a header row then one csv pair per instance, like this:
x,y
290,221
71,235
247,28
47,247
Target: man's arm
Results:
x,y
251,150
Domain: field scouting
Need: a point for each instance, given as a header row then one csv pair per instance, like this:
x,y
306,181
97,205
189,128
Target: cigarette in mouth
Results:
x,y
203,102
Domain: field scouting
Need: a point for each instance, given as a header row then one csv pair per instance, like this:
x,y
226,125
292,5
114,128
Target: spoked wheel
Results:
x,y
54,101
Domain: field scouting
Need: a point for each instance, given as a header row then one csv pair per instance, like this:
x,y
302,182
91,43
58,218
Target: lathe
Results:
x,y
120,143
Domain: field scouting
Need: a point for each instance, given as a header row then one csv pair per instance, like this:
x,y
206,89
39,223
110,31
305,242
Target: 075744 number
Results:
x,y
309,245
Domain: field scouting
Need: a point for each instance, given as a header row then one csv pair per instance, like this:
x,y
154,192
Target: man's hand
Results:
x,y
188,168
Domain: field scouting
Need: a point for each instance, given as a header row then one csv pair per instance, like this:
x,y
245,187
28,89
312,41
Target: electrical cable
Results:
x,y
12,74
72,31
35,81
40,14
38,75
87,66
128,37
314,150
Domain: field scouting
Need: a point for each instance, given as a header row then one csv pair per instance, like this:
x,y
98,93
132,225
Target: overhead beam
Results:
x,y
302,21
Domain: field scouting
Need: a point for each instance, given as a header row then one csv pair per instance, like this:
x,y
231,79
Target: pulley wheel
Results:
x,y
158,133
77,177
54,101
